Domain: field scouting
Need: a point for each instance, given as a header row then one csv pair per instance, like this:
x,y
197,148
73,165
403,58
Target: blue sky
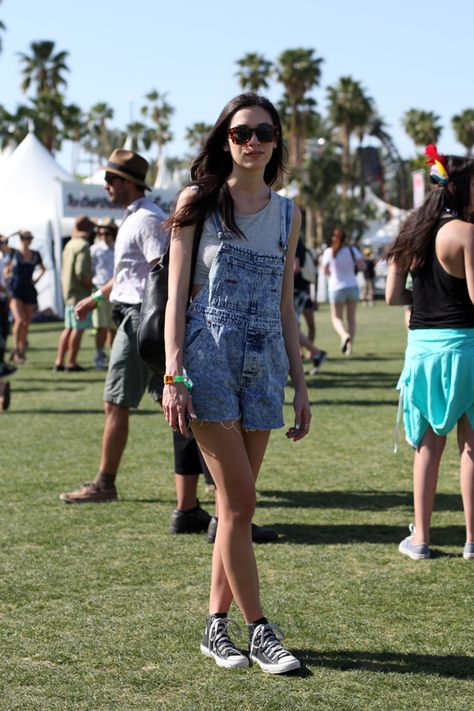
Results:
x,y
408,54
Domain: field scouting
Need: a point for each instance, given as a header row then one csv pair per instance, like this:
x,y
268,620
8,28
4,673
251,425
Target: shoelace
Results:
x,y
219,637
267,638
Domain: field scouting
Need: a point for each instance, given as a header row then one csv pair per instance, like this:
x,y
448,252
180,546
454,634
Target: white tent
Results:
x,y
28,200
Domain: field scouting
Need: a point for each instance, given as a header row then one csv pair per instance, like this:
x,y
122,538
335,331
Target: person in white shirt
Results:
x,y
140,243
102,253
341,263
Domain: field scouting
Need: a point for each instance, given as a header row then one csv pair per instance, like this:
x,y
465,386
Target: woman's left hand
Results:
x,y
302,417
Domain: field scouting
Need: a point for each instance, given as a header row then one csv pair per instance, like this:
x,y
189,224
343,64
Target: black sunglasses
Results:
x,y
111,178
265,132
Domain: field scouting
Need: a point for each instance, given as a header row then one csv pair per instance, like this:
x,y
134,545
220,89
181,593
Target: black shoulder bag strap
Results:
x,y
151,329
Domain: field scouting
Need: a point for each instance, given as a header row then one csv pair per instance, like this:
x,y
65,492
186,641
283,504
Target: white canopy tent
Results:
x,y
36,194
28,185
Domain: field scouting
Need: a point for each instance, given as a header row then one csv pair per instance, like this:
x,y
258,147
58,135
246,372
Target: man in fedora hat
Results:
x,y
76,282
139,244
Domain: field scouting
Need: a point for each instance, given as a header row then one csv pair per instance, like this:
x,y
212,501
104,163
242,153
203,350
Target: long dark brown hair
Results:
x,y
213,166
341,244
412,245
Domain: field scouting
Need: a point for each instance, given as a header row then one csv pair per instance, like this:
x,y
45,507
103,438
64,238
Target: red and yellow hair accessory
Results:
x,y
437,162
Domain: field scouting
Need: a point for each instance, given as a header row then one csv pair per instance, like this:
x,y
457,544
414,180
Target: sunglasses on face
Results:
x,y
104,233
265,133
110,178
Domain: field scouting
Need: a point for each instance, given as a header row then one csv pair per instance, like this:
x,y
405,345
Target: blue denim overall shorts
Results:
x,y
234,351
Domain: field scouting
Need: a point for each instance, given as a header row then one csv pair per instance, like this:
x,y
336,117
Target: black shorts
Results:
x,y
187,457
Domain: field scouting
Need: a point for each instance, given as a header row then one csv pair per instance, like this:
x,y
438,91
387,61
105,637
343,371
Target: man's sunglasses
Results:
x,y
265,132
110,178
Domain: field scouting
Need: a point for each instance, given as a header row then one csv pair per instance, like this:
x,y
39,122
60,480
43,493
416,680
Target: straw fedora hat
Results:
x,y
128,165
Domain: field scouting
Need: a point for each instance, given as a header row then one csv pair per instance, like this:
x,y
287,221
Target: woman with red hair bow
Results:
x,y
436,246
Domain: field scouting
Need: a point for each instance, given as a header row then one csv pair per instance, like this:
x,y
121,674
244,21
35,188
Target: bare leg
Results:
x,y
466,450
100,338
308,315
186,491
111,335
337,320
63,346
24,326
234,458
74,345
19,322
351,307
425,478
114,439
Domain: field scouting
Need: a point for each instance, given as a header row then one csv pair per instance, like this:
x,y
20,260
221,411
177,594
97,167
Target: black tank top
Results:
x,y
439,299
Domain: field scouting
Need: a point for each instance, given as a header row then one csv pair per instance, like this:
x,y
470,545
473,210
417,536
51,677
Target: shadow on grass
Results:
x,y
348,534
362,500
455,666
59,411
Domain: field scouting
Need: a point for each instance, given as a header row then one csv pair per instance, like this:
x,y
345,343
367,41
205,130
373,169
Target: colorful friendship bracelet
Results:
x,y
172,379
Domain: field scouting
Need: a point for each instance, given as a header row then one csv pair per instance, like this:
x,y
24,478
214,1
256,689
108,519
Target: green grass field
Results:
x,y
101,608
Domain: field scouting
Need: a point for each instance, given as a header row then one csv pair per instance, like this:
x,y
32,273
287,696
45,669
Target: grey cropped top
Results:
x,y
261,230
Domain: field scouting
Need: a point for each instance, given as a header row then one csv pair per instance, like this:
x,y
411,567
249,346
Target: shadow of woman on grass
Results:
x,y
453,666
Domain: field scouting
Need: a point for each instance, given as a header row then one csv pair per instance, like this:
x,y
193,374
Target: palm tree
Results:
x,y
463,126
299,71
159,111
96,120
44,68
254,72
422,127
196,135
349,109
322,175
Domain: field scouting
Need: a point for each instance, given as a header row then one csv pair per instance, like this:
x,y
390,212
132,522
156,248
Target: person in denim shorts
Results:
x,y
229,354
341,263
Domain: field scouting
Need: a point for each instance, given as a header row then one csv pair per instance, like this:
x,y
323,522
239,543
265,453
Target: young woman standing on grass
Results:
x,y
436,246
24,262
228,355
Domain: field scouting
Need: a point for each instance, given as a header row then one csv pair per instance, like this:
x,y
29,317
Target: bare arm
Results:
x,y
469,260
396,292
88,304
291,338
42,270
177,403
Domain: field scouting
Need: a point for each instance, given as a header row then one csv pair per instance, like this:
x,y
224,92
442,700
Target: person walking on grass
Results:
x,y
76,281
140,243
229,353
341,263
436,246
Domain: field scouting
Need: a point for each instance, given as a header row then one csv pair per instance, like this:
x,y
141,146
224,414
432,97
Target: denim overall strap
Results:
x,y
286,216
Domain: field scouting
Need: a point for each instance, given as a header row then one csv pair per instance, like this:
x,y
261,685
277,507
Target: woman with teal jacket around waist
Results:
x,y
436,246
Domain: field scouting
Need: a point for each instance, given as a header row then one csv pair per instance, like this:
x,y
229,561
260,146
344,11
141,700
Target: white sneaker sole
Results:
x,y
282,668
239,663
412,554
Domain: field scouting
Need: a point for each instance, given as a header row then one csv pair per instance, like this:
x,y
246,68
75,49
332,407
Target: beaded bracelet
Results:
x,y
172,379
